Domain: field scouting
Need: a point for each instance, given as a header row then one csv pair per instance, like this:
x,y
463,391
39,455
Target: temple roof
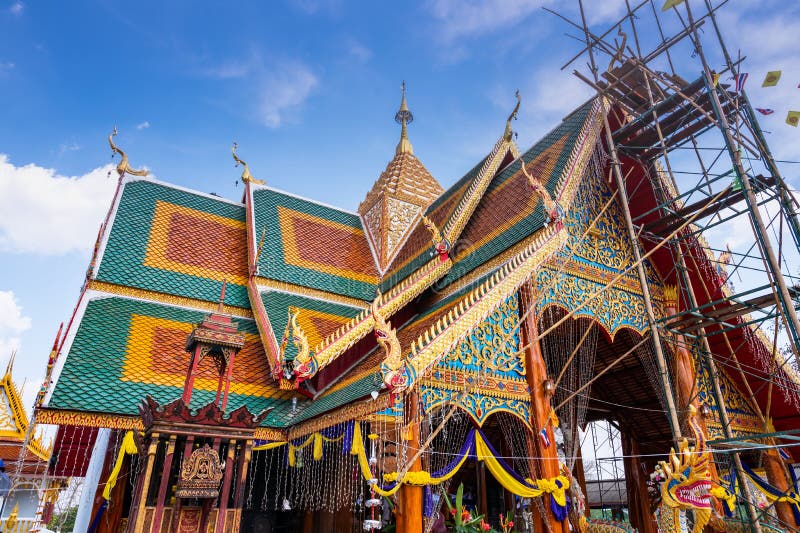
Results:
x,y
399,196
313,245
405,178
14,427
127,348
162,261
172,241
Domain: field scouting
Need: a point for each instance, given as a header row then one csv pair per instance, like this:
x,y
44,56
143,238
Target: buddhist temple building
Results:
x,y
277,364
28,494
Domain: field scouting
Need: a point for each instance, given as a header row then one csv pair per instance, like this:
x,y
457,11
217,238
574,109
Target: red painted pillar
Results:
x,y
164,484
409,508
536,371
222,508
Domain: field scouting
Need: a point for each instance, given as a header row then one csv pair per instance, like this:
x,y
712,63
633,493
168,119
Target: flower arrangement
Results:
x,y
506,523
459,519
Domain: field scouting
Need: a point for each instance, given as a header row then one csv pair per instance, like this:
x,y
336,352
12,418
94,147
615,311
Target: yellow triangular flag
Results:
x,y
793,118
772,78
670,3
716,79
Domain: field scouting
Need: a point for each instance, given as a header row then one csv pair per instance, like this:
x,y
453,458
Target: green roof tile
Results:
x,y
180,271
313,245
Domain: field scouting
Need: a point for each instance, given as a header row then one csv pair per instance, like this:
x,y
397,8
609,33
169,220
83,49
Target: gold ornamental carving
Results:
x,y
201,474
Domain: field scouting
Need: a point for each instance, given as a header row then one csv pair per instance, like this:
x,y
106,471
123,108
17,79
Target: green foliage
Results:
x,y
459,519
64,520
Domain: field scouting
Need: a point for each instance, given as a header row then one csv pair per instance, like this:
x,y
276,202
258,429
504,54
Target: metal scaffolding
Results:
x,y
605,472
707,160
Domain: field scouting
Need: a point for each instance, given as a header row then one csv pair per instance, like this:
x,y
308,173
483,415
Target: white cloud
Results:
x,y
45,213
228,70
279,87
478,17
12,323
284,89
358,51
6,66
548,95
68,147
143,126
16,8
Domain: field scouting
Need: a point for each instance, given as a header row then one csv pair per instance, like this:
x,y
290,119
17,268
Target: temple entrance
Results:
x,y
612,414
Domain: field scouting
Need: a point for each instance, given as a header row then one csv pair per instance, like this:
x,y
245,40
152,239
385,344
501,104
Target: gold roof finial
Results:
x,y
123,167
513,116
404,117
246,176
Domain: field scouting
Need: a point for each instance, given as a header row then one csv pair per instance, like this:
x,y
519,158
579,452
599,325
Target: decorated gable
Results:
x,y
598,250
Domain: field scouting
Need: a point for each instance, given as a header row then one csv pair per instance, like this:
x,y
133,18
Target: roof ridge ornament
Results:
x,y
123,167
246,176
513,116
552,208
441,244
404,117
392,367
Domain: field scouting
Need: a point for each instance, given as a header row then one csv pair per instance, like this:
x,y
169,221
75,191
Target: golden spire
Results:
x,y
404,117
513,116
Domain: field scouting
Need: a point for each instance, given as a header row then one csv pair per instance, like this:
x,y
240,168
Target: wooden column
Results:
x,y
536,371
686,386
164,485
244,463
483,503
778,478
532,445
409,509
636,485
176,511
148,473
222,507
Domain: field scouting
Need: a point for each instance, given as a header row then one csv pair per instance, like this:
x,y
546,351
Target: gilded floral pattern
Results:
x,y
592,258
478,406
484,373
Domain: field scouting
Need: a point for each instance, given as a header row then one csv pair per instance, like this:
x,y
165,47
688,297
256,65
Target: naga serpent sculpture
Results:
x,y
392,367
246,176
686,484
303,364
554,213
123,167
440,243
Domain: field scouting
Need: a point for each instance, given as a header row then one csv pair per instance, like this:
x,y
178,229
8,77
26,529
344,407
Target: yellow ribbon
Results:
x,y
316,438
128,447
357,449
422,477
532,489
269,446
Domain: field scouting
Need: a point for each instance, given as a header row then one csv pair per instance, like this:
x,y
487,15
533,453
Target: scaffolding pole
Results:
x,y
665,113
669,396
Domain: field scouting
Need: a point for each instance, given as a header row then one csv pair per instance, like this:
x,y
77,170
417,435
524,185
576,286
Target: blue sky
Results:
x,y
308,89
